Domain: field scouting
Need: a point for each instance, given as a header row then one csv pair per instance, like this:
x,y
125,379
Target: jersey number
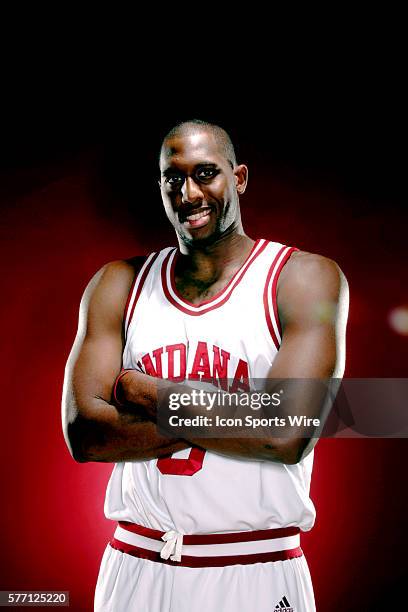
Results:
x,y
182,467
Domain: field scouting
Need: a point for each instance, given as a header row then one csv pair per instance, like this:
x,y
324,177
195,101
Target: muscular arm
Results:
x,y
94,428
313,305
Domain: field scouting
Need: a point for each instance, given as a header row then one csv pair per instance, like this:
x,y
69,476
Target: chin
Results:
x,y
199,240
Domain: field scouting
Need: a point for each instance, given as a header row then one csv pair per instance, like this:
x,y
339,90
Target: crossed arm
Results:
x,y
312,302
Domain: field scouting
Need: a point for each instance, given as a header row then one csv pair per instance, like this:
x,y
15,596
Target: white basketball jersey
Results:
x,y
234,335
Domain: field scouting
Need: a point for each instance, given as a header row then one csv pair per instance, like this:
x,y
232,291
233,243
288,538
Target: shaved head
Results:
x,y
192,126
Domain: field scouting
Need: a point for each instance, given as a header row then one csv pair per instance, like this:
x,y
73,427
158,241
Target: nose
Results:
x,y
191,192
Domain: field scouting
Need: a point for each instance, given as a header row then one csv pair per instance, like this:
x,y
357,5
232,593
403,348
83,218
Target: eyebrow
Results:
x,y
171,170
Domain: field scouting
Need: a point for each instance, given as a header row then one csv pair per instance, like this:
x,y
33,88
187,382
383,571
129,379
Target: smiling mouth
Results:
x,y
196,218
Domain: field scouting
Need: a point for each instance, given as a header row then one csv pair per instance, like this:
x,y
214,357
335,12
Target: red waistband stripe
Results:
x,y
216,561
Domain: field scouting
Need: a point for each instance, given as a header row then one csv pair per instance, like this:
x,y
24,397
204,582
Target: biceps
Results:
x,y
93,367
307,353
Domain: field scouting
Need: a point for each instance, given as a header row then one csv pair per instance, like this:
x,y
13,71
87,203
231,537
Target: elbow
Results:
x,y
289,451
75,427
84,427
291,454
300,447
87,440
294,454
78,454
75,441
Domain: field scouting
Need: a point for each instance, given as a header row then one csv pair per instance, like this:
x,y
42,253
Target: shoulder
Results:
x,y
108,289
307,271
310,281
120,271
115,275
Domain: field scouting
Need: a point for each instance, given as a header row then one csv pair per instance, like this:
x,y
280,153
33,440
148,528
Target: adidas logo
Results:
x,y
284,606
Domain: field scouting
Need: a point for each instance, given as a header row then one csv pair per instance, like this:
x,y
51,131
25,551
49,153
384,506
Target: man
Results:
x,y
203,522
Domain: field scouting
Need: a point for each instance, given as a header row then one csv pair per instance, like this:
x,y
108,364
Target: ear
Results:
x,y
241,178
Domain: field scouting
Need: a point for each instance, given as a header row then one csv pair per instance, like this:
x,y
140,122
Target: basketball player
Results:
x,y
213,523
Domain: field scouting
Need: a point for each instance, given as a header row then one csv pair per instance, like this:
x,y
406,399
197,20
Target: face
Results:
x,y
199,187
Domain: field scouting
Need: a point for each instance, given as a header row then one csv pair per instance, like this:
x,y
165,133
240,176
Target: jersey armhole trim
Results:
x,y
136,289
270,294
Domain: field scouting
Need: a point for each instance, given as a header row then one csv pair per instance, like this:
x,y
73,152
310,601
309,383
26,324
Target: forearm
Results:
x,y
270,443
105,433
278,450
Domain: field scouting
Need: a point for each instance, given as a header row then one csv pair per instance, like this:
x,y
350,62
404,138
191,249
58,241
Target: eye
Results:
x,y
204,174
174,179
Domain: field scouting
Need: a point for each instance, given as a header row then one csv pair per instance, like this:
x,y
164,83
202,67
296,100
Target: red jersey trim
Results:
x,y
275,284
275,271
125,313
138,281
217,561
194,309
215,538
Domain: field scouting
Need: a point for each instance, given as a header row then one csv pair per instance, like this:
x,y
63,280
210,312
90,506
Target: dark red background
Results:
x,y
75,197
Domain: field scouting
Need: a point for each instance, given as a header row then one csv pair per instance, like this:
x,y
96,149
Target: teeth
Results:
x,y
198,215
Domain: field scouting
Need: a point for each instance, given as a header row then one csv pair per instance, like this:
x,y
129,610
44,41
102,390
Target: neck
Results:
x,y
210,262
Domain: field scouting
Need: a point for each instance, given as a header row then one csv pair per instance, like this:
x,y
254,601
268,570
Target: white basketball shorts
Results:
x,y
151,571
